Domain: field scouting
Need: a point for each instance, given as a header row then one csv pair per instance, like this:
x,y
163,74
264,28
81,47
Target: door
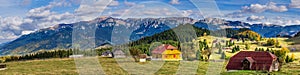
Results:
x,y
246,65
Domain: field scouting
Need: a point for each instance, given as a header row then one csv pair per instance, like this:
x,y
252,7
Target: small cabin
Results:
x,y
253,60
75,56
142,57
107,54
2,66
118,53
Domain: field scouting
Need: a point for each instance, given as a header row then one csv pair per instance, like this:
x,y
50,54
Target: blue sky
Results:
x,y
19,17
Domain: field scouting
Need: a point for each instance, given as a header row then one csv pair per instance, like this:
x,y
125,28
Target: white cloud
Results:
x,y
255,18
44,11
297,21
282,21
37,18
43,17
187,13
295,4
258,8
91,9
11,27
129,3
114,3
11,23
174,2
148,10
158,12
6,36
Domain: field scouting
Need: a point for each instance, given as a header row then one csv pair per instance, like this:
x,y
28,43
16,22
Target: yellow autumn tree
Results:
x,y
248,34
292,57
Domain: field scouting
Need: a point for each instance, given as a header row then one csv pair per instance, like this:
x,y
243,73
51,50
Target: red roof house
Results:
x,y
166,52
253,60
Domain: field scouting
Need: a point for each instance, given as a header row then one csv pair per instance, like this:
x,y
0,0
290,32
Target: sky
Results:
x,y
20,17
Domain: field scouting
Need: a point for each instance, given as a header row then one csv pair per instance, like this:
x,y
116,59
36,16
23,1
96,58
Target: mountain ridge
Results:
x,y
60,36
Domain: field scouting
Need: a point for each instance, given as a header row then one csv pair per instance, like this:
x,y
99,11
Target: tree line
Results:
x,y
62,53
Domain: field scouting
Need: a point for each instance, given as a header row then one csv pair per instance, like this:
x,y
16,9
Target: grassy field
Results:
x,y
67,66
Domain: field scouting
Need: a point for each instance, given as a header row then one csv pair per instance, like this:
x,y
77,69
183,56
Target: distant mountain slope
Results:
x,y
60,36
172,35
296,38
297,35
263,29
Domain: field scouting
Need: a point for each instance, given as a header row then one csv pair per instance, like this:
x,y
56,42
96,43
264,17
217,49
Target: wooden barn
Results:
x,y
253,60
166,52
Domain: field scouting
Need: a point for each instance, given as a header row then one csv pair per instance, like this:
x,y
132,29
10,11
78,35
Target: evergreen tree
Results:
x,y
238,48
220,51
223,56
287,59
198,55
247,46
233,49
268,49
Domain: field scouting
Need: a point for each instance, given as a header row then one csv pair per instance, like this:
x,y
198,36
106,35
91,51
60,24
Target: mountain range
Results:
x,y
60,36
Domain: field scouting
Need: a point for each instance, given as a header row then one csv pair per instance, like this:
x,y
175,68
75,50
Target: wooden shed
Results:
x,y
2,66
107,54
118,53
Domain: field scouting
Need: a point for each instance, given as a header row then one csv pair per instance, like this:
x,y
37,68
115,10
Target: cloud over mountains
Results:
x,y
43,15
258,8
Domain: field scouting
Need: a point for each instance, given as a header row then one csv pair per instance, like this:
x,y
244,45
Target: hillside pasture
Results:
x,y
67,66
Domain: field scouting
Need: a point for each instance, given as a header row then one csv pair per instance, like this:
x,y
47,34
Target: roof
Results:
x,y
160,49
107,52
260,59
143,56
118,52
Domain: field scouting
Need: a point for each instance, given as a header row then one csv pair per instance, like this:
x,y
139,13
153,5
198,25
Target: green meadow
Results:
x,y
66,66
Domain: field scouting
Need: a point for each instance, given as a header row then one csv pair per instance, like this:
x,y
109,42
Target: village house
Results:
x,y
118,53
107,54
253,60
142,57
166,52
2,66
76,56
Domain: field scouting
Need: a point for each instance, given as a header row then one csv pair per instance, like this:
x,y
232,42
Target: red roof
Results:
x,y
160,49
260,60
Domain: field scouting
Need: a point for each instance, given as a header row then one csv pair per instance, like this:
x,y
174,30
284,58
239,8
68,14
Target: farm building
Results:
x,y
142,57
118,53
253,60
107,54
2,66
75,56
166,52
